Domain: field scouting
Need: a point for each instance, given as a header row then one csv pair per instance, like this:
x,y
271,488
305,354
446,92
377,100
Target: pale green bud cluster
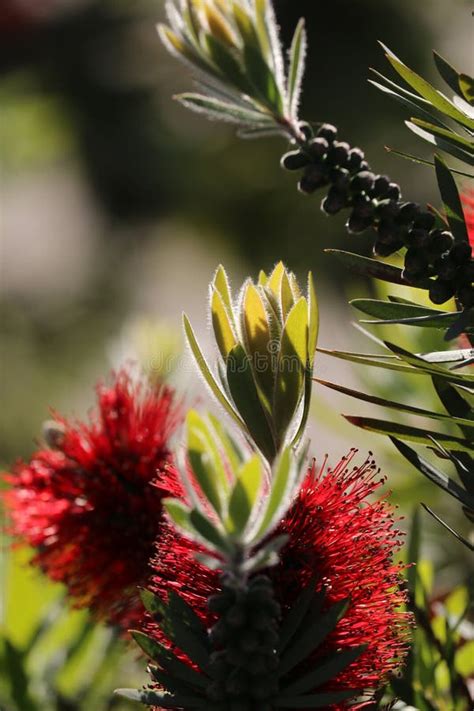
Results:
x,y
235,500
234,48
266,340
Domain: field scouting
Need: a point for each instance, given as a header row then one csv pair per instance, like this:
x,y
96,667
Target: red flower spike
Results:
x,y
344,539
87,505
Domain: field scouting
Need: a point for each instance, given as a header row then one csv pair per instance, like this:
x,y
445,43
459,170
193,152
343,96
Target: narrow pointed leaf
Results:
x,y
297,66
445,140
221,323
325,671
466,84
244,494
291,366
245,396
222,110
428,92
310,639
221,284
292,622
433,474
457,535
257,337
409,433
208,531
206,372
279,496
400,406
373,268
448,72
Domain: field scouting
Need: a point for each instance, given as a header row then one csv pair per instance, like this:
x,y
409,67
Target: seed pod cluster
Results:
x,y
375,201
244,665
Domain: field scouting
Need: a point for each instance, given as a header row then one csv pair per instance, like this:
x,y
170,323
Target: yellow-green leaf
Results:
x,y
221,283
221,324
286,297
274,280
244,495
289,384
206,372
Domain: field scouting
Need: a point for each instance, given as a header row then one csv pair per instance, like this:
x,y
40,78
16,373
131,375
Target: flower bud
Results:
x,y
266,341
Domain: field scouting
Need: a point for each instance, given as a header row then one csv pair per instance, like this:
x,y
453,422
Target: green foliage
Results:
x,y
232,489
53,658
441,655
266,342
235,51
430,103
301,633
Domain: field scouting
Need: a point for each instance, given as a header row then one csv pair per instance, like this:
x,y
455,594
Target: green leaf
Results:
x,y
428,92
424,162
171,683
448,73
262,78
326,670
451,200
185,634
292,622
205,460
466,84
377,361
373,268
409,433
246,398
413,553
389,312
223,110
394,405
257,335
291,366
323,700
450,136
221,284
222,325
226,63
152,603
430,368
297,66
457,535
206,372
433,474
310,639
456,405
406,98
17,676
279,497
446,140
244,494
179,513
152,649
208,531
229,445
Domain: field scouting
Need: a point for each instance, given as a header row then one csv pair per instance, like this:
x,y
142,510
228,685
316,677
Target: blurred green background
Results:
x,y
117,205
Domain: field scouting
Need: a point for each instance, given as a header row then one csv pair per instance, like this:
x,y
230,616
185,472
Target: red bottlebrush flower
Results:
x,y
467,199
87,505
348,543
